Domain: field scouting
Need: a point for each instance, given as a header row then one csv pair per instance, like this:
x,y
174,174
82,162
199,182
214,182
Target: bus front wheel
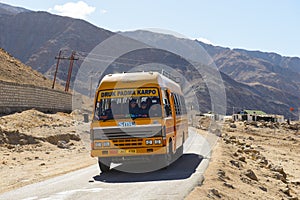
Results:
x,y
104,165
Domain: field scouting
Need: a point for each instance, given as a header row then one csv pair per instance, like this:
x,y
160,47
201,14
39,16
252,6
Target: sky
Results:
x,y
264,25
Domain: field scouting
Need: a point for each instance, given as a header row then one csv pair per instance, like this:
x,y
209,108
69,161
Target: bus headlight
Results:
x,y
149,142
98,144
106,144
157,141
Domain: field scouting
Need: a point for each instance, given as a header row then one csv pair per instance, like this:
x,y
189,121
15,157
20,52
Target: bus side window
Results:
x,y
166,102
177,104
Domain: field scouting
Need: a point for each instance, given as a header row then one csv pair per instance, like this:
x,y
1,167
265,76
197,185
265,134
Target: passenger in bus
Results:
x,y
148,102
133,108
108,113
144,110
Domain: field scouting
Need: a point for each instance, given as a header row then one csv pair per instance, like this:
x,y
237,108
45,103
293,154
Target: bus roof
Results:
x,y
137,79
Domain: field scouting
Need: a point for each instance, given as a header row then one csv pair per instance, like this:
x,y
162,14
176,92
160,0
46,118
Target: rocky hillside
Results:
x,y
13,70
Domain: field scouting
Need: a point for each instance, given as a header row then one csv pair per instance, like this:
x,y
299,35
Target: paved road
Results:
x,y
175,182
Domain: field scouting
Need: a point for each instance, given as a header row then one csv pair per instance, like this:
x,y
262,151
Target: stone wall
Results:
x,y
16,97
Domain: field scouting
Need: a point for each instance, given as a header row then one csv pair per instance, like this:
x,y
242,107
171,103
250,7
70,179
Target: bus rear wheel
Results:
x,y
104,165
168,158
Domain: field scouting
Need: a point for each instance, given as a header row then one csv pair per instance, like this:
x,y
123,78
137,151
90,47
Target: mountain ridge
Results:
x,y
6,9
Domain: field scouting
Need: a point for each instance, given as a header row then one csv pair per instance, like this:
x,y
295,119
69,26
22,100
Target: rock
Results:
x,y
286,191
253,123
263,161
253,151
243,159
240,143
270,125
280,177
221,172
229,130
279,169
236,163
23,141
232,125
62,144
229,185
232,138
293,127
263,188
251,138
293,198
240,151
250,174
296,182
246,123
216,193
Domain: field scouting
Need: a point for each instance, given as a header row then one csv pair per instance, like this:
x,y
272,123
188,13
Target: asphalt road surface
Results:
x,y
175,182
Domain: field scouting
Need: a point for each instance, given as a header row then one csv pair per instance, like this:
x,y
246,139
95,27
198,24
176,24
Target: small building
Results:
x,y
256,115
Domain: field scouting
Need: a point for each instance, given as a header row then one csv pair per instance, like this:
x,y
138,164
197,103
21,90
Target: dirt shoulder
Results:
x,y
253,161
35,146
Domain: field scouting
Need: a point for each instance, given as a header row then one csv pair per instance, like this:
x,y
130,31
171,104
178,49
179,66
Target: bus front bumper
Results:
x,y
129,152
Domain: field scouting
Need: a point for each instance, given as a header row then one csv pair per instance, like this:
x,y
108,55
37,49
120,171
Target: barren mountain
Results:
x,y
36,38
251,82
246,69
264,81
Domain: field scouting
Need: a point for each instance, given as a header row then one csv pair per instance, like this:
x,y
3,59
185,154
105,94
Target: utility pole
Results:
x,y
58,58
71,58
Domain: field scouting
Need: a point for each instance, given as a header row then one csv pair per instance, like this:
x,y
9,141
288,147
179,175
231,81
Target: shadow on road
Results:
x,y
182,168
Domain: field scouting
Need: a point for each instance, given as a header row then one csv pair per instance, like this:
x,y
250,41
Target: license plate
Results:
x,y
131,151
127,151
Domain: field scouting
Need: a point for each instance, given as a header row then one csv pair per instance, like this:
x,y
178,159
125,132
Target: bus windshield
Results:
x,y
128,103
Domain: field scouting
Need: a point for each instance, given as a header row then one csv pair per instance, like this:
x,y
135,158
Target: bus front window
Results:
x,y
127,107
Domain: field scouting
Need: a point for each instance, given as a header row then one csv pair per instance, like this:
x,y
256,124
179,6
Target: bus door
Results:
x,y
177,120
169,115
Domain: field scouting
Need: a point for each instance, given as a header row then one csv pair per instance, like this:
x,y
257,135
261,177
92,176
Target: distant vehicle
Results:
x,y
138,116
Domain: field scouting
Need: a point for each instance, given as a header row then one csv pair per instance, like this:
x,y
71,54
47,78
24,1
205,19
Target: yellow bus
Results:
x,y
138,116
